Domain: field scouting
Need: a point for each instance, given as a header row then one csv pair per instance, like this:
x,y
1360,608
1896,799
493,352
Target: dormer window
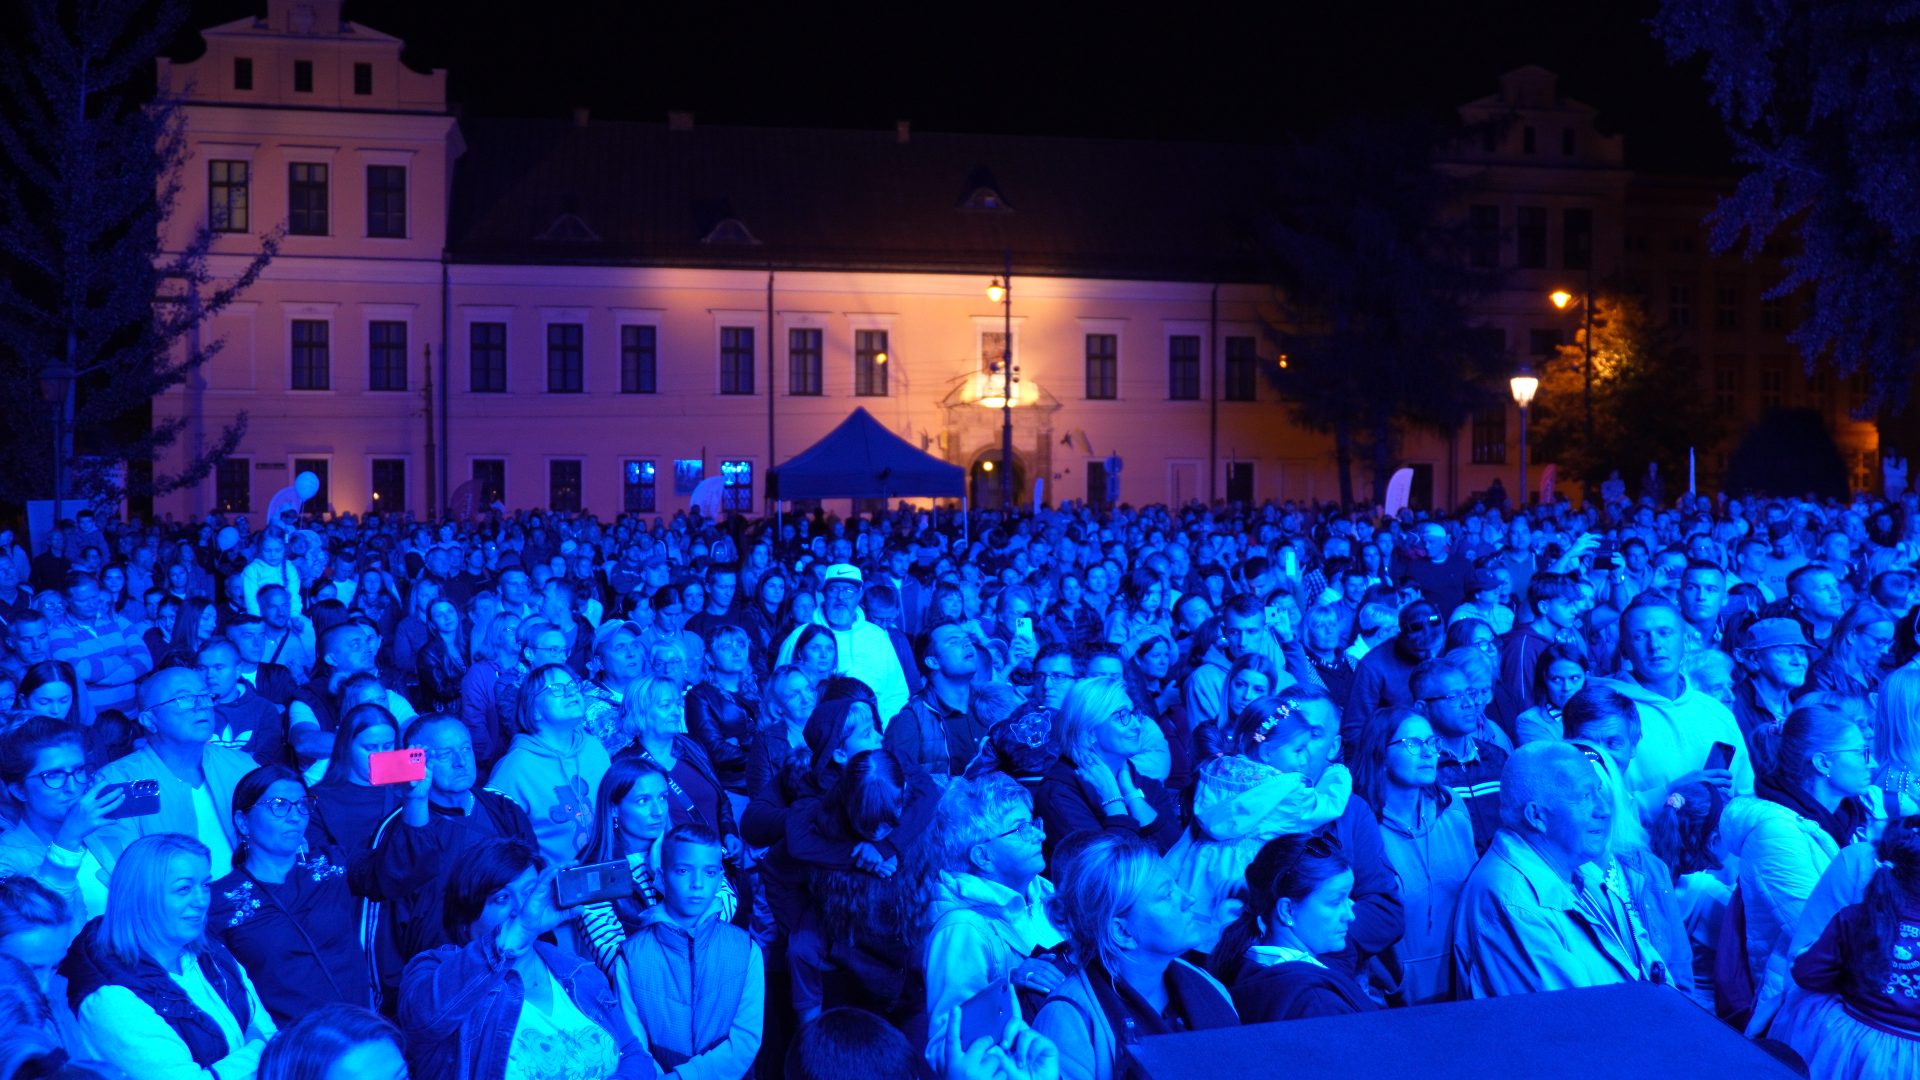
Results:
x,y
363,79
243,73
730,231
569,227
983,193
984,199
303,76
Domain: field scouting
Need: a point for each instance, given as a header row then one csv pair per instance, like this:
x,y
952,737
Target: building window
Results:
x,y
737,490
307,199
310,360
1097,493
566,358
993,346
233,486
1490,436
1527,141
491,475
387,200
639,360
1103,366
563,486
687,474
1773,383
1859,392
803,362
1726,308
1484,223
363,79
487,357
1183,367
303,76
1576,234
636,487
1819,386
1240,482
1242,370
1773,314
389,486
1726,389
870,363
227,196
387,356
1531,237
1566,142
736,359
1543,342
321,469
243,73
1680,306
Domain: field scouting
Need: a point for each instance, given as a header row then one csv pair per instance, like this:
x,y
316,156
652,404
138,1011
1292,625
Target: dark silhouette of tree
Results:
x,y
1374,292
1822,100
88,173
1647,404
1789,452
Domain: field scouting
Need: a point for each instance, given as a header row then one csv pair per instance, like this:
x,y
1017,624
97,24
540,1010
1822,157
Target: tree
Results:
x,y
1647,404
1822,99
1374,292
1789,452
91,162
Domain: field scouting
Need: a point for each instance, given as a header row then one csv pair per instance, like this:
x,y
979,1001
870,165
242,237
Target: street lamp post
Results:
x,y
1524,386
1561,298
56,387
1001,291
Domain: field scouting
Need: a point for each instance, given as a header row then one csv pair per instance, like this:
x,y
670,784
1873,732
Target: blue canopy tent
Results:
x,y
861,459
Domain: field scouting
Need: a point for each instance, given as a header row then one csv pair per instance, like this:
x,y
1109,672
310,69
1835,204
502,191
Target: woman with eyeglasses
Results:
x,y
554,766
1094,786
44,765
288,912
1299,905
1428,836
1860,641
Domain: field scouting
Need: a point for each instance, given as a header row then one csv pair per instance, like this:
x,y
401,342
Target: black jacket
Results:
x,y
89,966
412,865
1295,991
723,724
440,675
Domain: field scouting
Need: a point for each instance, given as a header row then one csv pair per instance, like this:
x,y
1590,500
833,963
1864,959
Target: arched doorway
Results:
x,y
985,478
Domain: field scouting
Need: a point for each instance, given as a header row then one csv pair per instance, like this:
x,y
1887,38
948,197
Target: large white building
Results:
x,y
610,311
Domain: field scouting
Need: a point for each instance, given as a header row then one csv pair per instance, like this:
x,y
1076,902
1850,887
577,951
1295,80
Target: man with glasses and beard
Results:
x,y
864,650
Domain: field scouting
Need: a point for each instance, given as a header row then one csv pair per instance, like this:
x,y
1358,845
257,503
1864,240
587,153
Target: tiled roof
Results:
x,y
641,194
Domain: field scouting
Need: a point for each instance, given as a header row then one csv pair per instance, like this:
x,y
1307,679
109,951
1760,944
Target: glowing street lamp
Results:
x,y
1524,386
1561,298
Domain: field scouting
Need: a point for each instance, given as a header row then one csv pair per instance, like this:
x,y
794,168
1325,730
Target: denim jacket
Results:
x,y
459,1005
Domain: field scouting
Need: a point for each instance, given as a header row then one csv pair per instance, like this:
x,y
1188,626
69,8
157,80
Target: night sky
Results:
x,y
1186,71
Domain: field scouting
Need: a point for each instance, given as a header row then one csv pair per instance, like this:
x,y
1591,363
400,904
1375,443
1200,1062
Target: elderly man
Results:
x,y
1440,572
1536,914
196,780
865,651
106,650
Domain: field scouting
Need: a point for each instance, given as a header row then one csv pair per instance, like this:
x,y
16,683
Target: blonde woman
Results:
x,y
1896,732
156,997
655,715
1095,785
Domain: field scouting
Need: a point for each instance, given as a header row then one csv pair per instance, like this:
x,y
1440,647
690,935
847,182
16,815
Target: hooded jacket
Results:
x,y
1676,735
865,652
695,997
982,930
553,776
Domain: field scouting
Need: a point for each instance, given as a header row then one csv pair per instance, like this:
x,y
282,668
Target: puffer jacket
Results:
x,y
697,997
1781,857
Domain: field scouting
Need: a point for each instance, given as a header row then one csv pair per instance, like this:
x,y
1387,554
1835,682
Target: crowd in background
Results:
x,y
914,793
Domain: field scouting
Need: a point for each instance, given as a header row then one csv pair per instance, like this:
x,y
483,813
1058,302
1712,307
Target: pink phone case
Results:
x,y
397,766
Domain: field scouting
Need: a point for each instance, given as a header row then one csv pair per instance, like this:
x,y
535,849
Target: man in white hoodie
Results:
x,y
864,649
1679,724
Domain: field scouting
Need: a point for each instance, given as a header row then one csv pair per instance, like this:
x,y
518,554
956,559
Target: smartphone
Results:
x,y
578,885
1604,554
986,1014
143,799
1720,757
397,766
1024,627
1290,563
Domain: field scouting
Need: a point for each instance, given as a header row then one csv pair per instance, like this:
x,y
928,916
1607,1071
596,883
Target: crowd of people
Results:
x,y
917,794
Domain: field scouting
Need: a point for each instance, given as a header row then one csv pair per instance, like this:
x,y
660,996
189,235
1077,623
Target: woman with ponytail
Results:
x,y
1864,971
1298,905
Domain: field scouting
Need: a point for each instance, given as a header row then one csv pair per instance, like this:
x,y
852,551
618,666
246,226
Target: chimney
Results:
x,y
579,116
903,131
678,120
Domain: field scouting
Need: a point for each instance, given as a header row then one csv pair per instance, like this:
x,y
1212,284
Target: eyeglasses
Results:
x,y
570,688
1427,747
61,779
453,756
1458,697
282,808
1033,823
193,700
1053,676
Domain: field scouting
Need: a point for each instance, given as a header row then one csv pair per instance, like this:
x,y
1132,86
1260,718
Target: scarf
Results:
x,y
1841,823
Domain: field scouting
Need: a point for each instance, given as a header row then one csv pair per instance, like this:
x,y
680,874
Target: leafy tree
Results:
x,y
1647,404
1822,99
90,173
1374,292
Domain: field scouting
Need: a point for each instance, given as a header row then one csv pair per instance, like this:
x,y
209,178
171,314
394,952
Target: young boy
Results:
x,y
695,984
